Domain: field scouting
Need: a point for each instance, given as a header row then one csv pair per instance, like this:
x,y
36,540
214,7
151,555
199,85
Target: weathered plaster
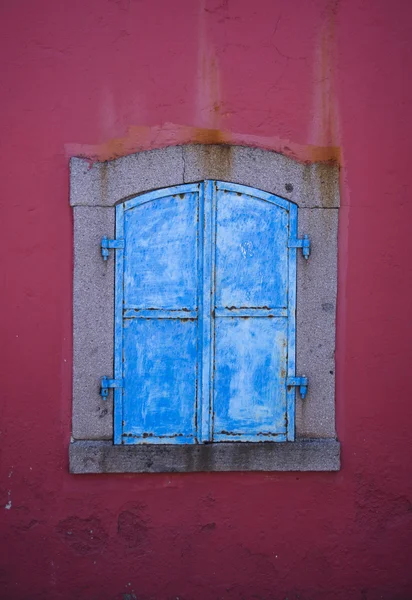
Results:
x,y
95,191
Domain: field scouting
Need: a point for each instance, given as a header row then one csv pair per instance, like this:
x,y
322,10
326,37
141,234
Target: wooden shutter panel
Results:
x,y
251,316
156,336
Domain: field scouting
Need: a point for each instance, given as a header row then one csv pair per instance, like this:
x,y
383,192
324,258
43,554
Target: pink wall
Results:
x,y
316,79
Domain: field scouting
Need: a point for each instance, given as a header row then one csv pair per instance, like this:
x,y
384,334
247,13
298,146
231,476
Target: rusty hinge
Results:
x,y
107,244
300,382
303,243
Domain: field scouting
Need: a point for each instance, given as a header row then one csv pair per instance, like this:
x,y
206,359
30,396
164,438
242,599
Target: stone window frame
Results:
x,y
95,190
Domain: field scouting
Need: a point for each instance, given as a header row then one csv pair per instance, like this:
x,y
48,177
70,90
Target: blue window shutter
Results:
x,y
252,307
156,337
205,304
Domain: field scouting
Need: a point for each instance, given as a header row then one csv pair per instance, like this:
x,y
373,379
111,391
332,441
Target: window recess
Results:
x,y
205,316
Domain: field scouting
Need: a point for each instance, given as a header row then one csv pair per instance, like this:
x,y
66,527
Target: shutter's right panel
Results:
x,y
249,401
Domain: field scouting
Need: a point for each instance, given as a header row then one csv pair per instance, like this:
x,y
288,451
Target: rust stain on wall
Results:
x,y
103,181
209,107
325,116
140,138
209,136
210,119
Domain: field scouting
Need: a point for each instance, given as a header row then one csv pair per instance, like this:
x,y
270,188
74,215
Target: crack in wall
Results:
x,y
184,164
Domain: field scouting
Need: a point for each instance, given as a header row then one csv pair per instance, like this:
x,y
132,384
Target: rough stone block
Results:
x,y
316,323
304,455
105,184
310,186
93,309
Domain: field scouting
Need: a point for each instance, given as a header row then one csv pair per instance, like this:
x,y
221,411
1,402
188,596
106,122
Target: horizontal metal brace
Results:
x,y
110,244
300,382
303,243
107,383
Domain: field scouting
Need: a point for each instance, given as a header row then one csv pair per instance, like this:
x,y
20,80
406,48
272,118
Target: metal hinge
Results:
x,y
303,243
107,244
300,382
107,383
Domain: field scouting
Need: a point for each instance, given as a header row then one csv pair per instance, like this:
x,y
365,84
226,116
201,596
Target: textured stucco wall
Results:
x,y
314,79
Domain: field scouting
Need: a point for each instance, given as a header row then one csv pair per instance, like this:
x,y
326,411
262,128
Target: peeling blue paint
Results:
x,y
205,305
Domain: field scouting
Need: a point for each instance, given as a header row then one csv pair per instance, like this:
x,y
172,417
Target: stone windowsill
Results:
x,y
302,455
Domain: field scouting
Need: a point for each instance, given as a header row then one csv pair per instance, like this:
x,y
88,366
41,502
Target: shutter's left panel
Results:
x,y
158,352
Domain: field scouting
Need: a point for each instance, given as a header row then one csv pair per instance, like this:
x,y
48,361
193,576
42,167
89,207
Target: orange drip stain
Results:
x,y
326,114
139,138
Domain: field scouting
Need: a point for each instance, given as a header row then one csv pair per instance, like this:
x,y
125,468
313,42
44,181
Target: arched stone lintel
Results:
x,y
107,183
